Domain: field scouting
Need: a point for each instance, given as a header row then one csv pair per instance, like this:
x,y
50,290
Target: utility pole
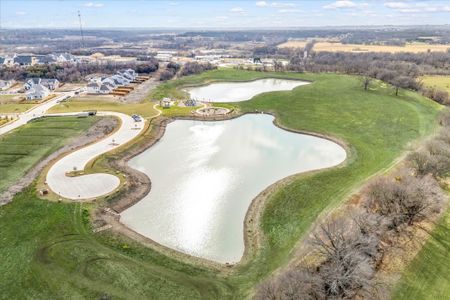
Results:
x,y
81,30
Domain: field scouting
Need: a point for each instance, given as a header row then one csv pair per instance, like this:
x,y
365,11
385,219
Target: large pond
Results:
x,y
240,91
206,174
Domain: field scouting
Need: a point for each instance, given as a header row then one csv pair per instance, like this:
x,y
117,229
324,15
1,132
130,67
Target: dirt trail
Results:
x,y
97,131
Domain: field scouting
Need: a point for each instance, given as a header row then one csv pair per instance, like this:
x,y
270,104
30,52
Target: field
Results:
x,y
428,276
11,104
54,254
336,47
24,147
144,109
440,82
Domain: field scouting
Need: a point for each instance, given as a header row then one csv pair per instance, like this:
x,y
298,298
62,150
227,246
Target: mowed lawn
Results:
x,y
428,276
440,82
14,104
144,109
26,146
53,254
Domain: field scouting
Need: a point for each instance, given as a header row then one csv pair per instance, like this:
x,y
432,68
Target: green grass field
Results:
x,y
24,147
428,276
441,82
54,254
144,109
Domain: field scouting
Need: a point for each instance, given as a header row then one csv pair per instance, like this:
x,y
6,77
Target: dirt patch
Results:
x,y
97,131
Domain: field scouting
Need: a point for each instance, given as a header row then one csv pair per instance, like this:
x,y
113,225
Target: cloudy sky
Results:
x,y
217,14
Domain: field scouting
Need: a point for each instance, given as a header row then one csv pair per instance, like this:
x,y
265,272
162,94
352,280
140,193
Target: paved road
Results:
x,y
33,113
91,185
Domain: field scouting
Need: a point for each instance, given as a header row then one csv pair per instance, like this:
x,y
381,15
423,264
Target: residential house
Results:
x,y
105,89
49,83
93,87
38,92
165,102
25,60
65,57
46,59
105,85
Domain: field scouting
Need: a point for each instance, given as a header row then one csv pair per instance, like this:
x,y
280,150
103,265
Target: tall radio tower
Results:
x,y
81,30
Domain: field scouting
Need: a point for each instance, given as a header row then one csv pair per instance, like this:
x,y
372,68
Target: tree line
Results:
x,y
74,72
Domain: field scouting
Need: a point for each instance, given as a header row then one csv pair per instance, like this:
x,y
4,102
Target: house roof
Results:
x,y
46,59
38,90
2,60
93,84
23,59
34,80
104,87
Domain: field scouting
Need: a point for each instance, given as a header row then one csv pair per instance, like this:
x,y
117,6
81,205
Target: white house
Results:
x,y
38,92
93,87
48,83
105,85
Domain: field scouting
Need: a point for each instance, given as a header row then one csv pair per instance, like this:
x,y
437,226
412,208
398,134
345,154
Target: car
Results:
x,y
137,118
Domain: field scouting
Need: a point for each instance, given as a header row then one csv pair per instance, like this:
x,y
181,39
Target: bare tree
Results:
x,y
349,256
405,199
293,284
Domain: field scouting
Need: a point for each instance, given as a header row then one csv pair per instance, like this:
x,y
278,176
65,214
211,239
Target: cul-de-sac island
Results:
x,y
159,157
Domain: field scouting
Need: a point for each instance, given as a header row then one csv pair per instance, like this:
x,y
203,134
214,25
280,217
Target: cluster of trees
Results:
x,y
70,72
170,71
401,70
352,247
191,68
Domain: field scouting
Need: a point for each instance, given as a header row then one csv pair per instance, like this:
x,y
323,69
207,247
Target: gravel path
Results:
x,y
97,131
91,185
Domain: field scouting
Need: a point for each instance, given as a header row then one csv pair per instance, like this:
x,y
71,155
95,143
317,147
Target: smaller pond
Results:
x,y
240,91
206,174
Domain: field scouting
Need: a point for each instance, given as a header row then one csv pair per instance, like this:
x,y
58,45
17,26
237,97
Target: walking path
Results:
x,y
35,112
86,186
91,185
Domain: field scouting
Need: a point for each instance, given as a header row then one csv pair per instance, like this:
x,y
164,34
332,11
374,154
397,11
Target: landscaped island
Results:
x,y
55,254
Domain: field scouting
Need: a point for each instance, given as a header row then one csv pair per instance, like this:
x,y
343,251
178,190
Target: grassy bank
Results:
x,y
27,145
64,259
428,276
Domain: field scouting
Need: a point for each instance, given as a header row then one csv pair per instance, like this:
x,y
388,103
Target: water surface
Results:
x,y
205,175
240,91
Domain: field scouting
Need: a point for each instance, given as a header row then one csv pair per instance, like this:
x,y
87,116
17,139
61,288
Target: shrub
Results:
x,y
293,284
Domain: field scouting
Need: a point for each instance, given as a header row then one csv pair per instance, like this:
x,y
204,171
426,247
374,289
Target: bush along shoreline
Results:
x,y
349,250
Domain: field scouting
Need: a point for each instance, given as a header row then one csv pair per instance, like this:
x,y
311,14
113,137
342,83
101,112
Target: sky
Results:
x,y
220,14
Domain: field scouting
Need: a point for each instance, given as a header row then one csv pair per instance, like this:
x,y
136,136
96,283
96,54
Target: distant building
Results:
x,y
38,92
165,102
66,57
25,60
105,85
45,59
93,87
49,83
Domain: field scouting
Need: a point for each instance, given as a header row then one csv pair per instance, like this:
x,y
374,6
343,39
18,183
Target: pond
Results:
x,y
240,91
206,174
